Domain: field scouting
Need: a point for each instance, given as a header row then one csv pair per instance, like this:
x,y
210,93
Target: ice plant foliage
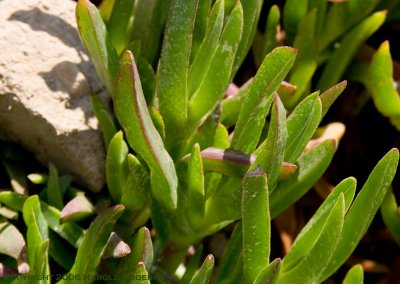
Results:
x,y
191,160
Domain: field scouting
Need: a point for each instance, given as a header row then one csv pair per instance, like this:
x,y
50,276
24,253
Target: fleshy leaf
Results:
x,y
270,156
210,91
231,265
192,266
293,12
53,190
382,86
269,274
391,214
174,67
117,166
311,166
311,266
364,208
203,275
306,239
343,55
142,136
195,191
76,209
329,96
259,98
120,24
94,243
116,247
355,275
71,232
204,55
301,125
231,105
142,251
255,223
96,40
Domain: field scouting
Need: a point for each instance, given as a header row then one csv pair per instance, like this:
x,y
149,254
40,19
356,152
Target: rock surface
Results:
x,y
45,84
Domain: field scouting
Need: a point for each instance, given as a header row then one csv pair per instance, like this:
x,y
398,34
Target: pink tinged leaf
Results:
x,y
116,247
77,209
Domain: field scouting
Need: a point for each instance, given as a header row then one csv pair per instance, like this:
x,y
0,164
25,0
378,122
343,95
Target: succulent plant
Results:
x,y
188,153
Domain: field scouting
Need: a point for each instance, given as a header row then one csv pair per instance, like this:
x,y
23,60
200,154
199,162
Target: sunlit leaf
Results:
x,y
142,136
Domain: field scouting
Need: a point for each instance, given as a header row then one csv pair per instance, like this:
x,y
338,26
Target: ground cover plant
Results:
x,y
190,154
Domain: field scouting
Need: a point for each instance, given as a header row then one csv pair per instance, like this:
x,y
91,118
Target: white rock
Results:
x,y
45,84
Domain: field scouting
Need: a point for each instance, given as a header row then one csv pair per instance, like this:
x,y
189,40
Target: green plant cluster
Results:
x,y
191,159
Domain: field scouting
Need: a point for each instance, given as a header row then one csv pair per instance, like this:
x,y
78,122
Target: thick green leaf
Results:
x,y
105,119
117,166
174,67
37,228
120,24
343,55
59,252
142,251
308,236
53,190
200,26
256,223
342,16
195,191
355,275
211,91
96,40
231,105
311,266
270,156
251,14
320,7
259,98
203,57
17,177
364,208
382,86
329,96
311,166
154,13
203,276
391,214
158,121
142,136
293,13
141,271
138,181
106,8
13,200
71,232
148,79
301,125
192,266
116,247
269,274
231,265
94,243
306,60
76,209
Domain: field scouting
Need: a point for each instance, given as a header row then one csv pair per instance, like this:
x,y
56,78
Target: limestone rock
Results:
x,y
46,80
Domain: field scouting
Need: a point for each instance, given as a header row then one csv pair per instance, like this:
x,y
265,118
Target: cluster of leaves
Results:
x,y
195,159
